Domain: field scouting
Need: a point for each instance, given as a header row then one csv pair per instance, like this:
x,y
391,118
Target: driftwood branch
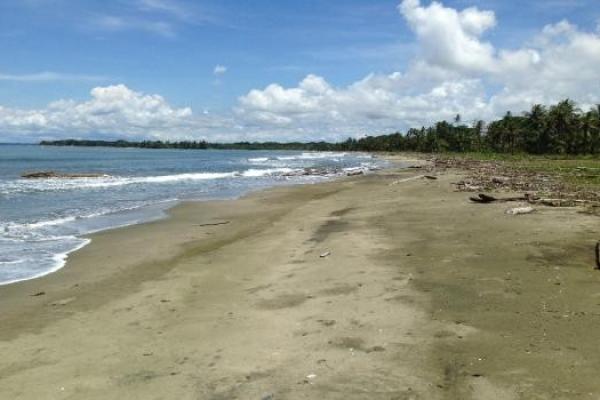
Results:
x,y
410,178
214,223
563,202
598,255
486,198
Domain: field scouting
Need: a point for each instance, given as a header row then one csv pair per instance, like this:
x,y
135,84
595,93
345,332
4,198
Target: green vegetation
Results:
x,y
197,145
559,129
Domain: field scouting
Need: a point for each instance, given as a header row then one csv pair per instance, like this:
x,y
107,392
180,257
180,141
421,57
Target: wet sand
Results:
x,y
421,295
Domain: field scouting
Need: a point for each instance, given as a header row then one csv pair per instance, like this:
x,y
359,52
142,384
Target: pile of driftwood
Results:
x,y
533,199
496,175
539,188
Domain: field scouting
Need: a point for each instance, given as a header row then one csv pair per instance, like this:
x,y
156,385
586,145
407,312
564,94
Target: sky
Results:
x,y
230,70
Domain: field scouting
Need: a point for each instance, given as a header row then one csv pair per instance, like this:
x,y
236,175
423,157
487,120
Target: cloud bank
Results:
x,y
456,71
453,73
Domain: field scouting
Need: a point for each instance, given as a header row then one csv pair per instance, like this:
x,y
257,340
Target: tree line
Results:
x,y
562,128
196,145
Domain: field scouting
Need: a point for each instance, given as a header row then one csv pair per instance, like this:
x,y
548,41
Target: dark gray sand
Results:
x,y
422,295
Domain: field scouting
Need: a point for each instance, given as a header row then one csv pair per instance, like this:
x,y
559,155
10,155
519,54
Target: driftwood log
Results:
x,y
486,198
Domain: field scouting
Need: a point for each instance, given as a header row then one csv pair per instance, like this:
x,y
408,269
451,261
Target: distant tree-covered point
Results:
x,y
196,145
562,128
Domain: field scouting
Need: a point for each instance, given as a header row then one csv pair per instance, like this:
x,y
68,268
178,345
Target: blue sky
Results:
x,y
62,49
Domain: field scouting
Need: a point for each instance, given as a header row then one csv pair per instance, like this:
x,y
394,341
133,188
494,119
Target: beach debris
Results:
x,y
268,396
214,223
55,174
326,322
486,198
355,173
495,175
63,302
411,178
564,202
375,349
532,199
326,254
38,294
501,179
520,210
308,380
430,177
598,255
468,187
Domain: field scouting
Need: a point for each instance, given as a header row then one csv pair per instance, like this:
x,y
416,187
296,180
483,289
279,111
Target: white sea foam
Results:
x,y
19,231
52,222
254,173
49,216
312,156
259,159
64,184
58,260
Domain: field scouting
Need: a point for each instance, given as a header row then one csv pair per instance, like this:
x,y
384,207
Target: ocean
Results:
x,y
43,220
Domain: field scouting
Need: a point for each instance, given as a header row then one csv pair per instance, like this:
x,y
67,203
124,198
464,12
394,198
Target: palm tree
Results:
x,y
595,131
509,131
538,140
587,126
478,130
562,120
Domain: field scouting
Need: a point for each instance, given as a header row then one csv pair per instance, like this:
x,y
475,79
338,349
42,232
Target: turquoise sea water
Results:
x,y
43,220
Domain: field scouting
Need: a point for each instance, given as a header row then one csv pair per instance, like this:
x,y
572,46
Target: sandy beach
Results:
x,y
384,286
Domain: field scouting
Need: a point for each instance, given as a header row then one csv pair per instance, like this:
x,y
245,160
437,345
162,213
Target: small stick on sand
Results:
x,y
326,254
214,223
598,255
412,178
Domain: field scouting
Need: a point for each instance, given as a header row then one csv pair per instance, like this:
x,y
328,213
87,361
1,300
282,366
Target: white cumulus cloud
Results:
x,y
219,70
48,76
110,110
457,70
451,38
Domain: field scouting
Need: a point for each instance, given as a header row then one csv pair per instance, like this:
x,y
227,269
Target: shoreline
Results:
x,y
161,213
419,294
